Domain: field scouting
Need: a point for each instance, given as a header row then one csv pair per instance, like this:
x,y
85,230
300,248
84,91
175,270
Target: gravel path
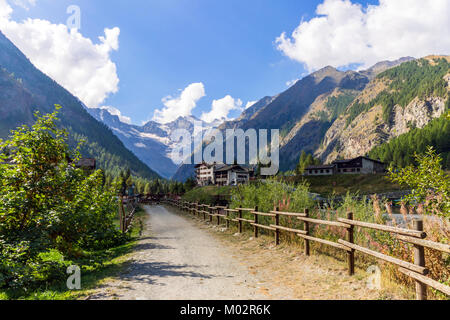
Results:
x,y
176,260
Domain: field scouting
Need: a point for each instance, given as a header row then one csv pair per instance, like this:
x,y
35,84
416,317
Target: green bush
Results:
x,y
270,194
47,203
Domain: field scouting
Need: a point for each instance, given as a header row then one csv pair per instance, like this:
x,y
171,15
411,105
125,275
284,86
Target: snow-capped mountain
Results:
x,y
152,142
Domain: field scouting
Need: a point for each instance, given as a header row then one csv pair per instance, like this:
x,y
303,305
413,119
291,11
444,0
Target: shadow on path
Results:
x,y
148,272
151,246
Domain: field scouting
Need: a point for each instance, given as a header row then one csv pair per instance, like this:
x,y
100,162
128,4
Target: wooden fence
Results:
x,y
416,237
127,209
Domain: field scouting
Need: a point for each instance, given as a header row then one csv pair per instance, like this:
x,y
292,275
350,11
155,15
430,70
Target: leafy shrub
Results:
x,y
47,203
267,195
430,184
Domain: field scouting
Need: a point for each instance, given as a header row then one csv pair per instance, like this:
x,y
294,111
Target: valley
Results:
x,y
330,113
83,187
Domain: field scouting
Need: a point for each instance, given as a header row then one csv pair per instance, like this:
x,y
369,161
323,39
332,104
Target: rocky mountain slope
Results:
x,y
405,97
24,89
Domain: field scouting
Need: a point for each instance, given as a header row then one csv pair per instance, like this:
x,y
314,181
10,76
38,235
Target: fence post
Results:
x,y
277,223
306,228
350,254
121,213
419,259
227,213
218,217
256,221
211,211
240,221
124,217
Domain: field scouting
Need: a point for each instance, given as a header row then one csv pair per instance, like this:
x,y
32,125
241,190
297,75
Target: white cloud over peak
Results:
x,y
292,82
75,62
116,112
249,104
345,33
221,109
180,106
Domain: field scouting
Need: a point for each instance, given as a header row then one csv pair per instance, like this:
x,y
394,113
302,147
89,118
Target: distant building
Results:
x,y
221,174
359,165
205,174
325,170
362,165
231,175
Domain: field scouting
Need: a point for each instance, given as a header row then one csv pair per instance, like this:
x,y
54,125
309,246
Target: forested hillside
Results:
x,y
24,89
400,151
419,78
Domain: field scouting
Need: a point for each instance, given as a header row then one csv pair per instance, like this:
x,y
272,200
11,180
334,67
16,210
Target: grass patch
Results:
x,y
95,267
208,195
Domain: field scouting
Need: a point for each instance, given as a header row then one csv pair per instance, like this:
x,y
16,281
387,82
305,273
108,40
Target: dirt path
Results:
x,y
176,260
182,259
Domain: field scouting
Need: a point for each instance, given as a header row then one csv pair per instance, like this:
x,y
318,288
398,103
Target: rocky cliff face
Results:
x,y
368,129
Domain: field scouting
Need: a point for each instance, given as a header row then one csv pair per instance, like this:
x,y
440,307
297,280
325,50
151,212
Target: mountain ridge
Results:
x,y
316,103
28,90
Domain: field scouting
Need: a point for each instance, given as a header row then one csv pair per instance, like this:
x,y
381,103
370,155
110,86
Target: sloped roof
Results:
x,y
330,166
362,157
231,167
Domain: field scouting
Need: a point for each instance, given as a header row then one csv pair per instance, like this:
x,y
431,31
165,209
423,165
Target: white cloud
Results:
x,y
292,82
139,145
24,3
116,112
249,104
180,106
221,108
75,62
345,33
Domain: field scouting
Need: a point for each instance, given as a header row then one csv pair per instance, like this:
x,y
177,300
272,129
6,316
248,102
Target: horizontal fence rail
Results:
x,y
416,237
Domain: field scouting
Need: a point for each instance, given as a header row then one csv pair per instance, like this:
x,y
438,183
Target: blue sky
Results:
x,y
228,46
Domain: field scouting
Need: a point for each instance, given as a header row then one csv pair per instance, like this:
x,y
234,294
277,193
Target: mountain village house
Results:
x,y
221,174
360,165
